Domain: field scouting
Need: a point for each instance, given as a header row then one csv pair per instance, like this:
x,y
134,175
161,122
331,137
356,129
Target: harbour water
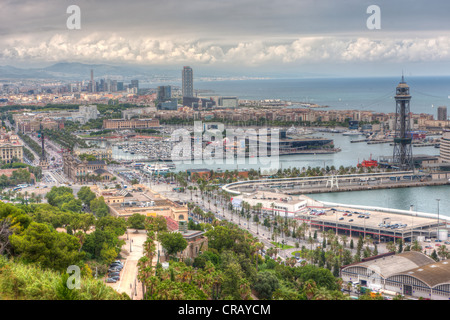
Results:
x,y
422,198
368,94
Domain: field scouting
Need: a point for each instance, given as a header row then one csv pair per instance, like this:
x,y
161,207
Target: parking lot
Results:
x,y
380,224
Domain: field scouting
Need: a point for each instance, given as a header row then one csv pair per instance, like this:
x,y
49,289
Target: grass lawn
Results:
x,y
281,246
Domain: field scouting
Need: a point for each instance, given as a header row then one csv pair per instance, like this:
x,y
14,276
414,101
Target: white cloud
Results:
x,y
116,48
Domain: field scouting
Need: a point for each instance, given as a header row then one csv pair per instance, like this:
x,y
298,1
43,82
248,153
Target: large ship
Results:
x,y
368,163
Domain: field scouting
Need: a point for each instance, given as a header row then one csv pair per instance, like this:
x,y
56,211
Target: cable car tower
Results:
x,y
402,127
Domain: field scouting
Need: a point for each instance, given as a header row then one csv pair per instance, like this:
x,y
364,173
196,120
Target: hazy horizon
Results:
x,y
326,38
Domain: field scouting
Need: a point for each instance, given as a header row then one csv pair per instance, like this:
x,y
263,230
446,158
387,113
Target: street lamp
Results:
x,y
437,232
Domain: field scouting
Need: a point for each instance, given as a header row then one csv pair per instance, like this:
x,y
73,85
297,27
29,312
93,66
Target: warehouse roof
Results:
x,y
432,274
387,266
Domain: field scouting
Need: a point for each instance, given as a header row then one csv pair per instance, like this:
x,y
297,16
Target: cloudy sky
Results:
x,y
322,37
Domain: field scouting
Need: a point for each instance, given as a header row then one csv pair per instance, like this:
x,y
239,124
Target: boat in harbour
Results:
x,y
352,133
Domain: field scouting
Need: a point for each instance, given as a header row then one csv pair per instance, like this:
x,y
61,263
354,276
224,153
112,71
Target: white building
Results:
x,y
445,147
278,203
86,113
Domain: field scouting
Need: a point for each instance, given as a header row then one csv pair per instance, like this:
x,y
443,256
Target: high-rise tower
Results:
x,y
188,82
92,84
442,113
402,139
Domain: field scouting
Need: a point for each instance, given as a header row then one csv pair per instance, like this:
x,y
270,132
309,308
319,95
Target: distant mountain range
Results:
x,y
73,71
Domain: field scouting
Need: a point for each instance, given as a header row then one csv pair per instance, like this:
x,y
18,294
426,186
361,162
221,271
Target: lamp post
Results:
x,y
335,215
437,231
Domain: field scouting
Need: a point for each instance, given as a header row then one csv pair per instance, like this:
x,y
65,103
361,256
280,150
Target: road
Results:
x,y
128,282
260,232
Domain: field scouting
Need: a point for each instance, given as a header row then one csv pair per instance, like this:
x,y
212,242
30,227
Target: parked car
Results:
x,y
116,264
111,280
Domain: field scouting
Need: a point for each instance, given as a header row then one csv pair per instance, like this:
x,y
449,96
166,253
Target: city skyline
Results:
x,y
289,38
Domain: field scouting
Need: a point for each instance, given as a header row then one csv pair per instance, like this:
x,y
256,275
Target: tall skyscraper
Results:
x,y
164,93
134,84
187,82
402,139
442,113
92,84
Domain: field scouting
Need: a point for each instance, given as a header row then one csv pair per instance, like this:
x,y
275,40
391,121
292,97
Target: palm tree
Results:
x,y
344,240
443,252
391,247
310,288
416,246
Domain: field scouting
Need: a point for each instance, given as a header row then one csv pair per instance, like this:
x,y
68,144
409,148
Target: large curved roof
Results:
x,y
389,265
432,274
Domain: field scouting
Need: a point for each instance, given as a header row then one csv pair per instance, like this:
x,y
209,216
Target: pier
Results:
x,y
342,183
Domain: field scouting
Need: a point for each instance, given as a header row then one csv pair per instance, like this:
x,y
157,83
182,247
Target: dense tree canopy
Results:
x,y
51,249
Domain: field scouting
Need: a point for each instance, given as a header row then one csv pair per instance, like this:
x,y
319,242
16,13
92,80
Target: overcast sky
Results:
x,y
325,37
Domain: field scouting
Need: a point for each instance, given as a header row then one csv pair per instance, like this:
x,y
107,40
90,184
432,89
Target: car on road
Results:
x,y
351,220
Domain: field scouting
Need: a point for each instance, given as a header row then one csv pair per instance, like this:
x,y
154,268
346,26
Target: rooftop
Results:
x,y
398,263
432,274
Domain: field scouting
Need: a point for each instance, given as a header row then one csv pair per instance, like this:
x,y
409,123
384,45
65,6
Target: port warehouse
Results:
x,y
322,180
412,274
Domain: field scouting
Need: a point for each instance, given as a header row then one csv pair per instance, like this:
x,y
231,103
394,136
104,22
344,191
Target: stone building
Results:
x,y
11,148
98,153
118,124
84,171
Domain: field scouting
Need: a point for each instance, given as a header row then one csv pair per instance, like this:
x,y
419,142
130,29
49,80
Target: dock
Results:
x,y
394,185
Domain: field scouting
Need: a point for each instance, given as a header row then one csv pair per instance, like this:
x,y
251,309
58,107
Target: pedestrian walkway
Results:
x,y
132,250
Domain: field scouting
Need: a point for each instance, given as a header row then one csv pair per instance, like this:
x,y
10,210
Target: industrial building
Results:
x,y
411,273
